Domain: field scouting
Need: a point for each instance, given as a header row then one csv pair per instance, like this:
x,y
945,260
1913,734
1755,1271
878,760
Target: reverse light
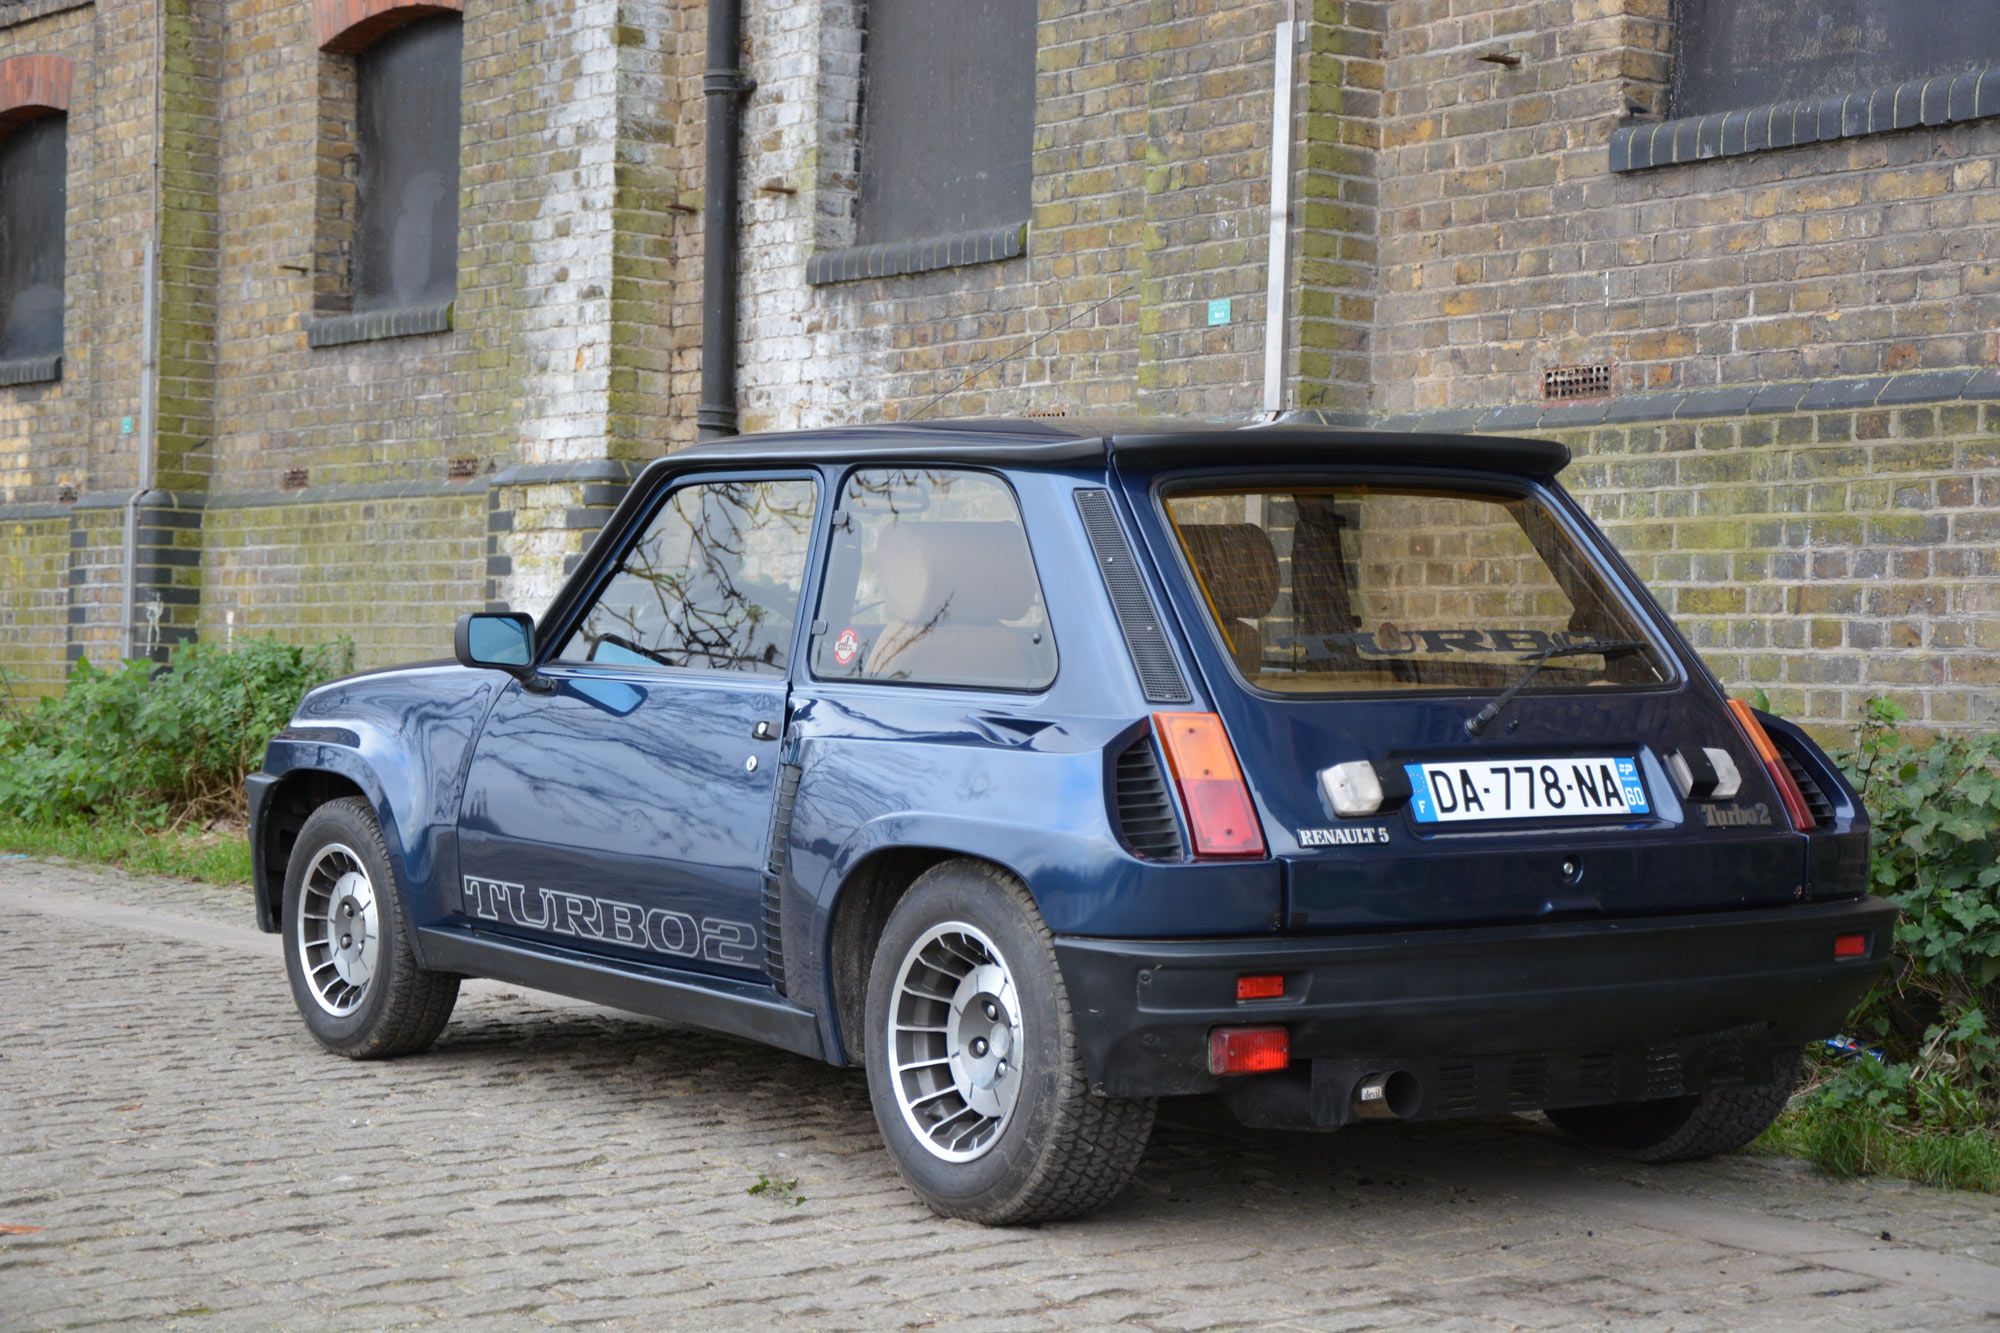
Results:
x,y
1705,774
1248,1050
1221,817
1353,788
1774,764
1260,987
1850,946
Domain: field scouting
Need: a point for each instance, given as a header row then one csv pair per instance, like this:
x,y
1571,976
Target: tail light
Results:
x,y
1220,814
1774,764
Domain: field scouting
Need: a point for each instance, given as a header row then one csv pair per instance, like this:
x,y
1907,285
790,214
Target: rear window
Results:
x,y
930,582
1338,589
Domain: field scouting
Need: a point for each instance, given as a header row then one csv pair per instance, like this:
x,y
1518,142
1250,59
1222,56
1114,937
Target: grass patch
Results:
x,y
1844,1142
217,856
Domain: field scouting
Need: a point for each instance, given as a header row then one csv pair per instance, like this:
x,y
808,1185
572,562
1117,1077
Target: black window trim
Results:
x,y
548,639
823,555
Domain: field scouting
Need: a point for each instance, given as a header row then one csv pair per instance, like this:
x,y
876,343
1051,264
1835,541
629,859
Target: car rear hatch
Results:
x,y
1469,643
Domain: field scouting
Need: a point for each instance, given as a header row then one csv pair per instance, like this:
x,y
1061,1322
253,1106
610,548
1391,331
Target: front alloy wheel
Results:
x,y
354,979
339,930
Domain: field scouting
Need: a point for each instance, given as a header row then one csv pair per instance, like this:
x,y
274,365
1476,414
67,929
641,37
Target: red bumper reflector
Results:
x,y
1850,946
1260,988
1248,1050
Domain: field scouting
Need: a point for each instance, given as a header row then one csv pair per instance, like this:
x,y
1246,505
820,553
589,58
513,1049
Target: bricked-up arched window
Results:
x,y
947,117
405,243
33,184
34,179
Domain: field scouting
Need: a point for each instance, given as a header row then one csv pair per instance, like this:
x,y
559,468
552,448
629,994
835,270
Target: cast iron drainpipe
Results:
x,y
724,87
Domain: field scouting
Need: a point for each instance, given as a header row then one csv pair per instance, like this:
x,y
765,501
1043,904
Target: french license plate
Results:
x,y
1526,789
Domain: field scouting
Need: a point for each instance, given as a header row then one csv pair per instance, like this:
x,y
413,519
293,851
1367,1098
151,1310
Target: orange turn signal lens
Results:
x,y
1220,814
1260,988
1781,777
1248,1050
1850,946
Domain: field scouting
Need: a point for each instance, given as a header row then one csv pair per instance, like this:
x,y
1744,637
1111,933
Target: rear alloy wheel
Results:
x,y
1682,1129
973,1065
354,979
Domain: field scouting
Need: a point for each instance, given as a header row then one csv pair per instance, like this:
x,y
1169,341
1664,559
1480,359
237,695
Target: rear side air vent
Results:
x,y
1146,818
1816,798
1159,676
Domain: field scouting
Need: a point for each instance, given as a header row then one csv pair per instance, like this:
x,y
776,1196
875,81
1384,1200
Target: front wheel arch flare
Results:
x,y
291,803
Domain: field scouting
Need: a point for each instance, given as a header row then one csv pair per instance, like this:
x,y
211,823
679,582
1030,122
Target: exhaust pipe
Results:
x,y
1391,1096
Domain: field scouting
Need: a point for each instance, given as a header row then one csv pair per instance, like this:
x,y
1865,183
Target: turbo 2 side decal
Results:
x,y
609,921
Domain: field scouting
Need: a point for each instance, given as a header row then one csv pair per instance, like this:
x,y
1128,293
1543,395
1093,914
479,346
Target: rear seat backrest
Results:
x,y
1238,570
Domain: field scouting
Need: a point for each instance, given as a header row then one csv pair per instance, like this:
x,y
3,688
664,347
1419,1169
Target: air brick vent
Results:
x,y
1580,381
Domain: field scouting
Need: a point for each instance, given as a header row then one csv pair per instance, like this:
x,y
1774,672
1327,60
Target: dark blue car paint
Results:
x,y
632,783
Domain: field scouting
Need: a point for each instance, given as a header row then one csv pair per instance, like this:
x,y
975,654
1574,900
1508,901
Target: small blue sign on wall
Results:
x,y
1218,312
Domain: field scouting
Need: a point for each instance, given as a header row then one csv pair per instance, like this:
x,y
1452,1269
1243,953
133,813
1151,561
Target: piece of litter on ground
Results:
x,y
14,1229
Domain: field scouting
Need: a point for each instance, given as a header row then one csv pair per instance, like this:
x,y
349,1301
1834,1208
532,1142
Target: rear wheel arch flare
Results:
x,y
860,909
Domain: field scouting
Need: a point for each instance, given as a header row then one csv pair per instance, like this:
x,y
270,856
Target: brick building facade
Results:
x,y
1766,330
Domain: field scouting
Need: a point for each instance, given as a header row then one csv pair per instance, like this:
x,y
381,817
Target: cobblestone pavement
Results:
x,y
189,1156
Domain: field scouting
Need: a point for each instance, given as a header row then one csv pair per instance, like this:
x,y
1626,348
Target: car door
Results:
x,y
620,804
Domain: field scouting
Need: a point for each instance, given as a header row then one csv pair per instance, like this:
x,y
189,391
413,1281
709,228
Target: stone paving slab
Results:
x,y
192,1158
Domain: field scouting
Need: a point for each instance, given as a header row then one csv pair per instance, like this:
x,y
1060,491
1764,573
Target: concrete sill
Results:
x,y
31,370
373,325
857,262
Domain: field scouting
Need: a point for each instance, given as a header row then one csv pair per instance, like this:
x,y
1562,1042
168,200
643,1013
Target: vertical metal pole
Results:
x,y
1277,264
148,374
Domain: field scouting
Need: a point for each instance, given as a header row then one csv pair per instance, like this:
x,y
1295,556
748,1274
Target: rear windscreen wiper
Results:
x,y
1480,720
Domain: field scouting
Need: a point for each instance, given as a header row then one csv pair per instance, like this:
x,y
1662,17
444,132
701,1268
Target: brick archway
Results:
x,y
347,26
32,86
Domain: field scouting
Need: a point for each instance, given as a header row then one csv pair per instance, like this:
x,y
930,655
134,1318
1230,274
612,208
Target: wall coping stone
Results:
x,y
543,474
31,370
1836,395
1940,100
373,325
985,245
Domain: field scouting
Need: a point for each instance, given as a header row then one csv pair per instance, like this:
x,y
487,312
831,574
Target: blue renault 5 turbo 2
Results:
x,y
1045,770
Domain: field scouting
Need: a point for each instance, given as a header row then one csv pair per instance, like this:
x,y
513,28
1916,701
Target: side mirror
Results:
x,y
502,640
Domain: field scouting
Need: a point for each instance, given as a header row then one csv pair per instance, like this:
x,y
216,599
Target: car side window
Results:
x,y
930,582
713,583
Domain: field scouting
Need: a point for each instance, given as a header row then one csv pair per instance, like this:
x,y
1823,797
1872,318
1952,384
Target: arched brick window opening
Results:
x,y
34,174
386,244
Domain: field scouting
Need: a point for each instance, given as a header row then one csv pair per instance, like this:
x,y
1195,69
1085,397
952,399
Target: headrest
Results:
x,y
980,573
1238,567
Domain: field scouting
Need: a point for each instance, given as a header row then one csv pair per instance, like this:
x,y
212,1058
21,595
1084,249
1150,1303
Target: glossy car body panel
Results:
x,y
601,788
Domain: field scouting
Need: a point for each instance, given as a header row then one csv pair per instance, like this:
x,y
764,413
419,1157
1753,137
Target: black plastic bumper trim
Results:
x,y
1144,1007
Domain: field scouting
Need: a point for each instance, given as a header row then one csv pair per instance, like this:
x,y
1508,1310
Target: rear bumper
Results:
x,y
1501,1018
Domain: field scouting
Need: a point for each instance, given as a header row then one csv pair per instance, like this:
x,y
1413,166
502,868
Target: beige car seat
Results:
x,y
947,588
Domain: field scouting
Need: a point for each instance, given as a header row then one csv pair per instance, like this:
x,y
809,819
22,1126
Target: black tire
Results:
x,y
401,1008
1682,1129
1060,1151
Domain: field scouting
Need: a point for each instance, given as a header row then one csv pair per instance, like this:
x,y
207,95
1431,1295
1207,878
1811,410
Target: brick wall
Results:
x,y
1507,244
1457,228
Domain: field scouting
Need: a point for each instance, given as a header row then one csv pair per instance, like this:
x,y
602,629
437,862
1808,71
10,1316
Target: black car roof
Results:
x,y
1067,441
